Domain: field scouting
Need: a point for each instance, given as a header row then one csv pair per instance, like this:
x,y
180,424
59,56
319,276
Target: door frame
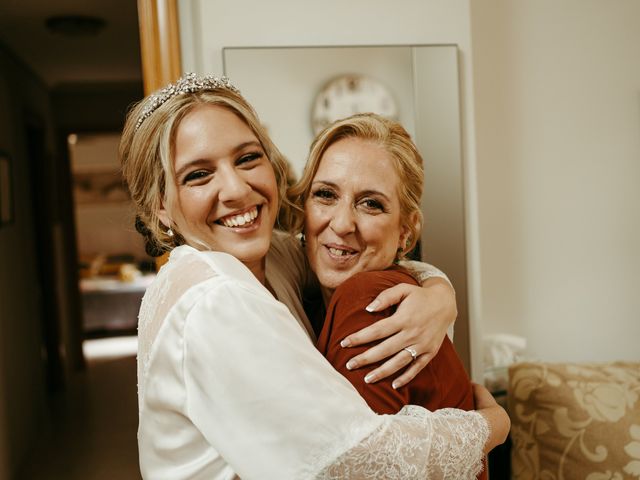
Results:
x,y
159,43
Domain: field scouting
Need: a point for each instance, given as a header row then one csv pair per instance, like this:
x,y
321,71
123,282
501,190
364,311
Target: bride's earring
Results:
x,y
170,232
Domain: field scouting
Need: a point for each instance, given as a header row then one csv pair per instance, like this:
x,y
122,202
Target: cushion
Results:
x,y
575,421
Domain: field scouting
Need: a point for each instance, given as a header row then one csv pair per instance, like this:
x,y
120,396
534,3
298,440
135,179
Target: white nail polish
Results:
x,y
394,385
350,365
369,378
372,306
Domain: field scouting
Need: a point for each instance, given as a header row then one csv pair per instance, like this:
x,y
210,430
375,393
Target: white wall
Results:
x,y
557,98
209,25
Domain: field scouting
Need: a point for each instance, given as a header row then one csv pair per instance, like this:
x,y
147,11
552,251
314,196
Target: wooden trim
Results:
x,y
159,48
159,43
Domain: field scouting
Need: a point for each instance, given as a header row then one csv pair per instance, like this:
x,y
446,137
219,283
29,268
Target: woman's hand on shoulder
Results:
x,y
419,324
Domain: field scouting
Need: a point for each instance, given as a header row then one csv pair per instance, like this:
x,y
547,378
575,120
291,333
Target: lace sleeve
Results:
x,y
417,444
422,271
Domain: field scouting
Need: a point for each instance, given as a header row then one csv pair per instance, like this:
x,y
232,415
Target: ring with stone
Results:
x,y
412,352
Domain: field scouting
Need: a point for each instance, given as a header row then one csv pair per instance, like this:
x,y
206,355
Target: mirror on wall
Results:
x,y
296,89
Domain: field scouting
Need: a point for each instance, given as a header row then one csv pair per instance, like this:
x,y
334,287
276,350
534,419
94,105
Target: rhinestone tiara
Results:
x,y
188,83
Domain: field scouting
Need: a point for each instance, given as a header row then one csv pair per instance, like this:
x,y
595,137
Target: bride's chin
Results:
x,y
255,249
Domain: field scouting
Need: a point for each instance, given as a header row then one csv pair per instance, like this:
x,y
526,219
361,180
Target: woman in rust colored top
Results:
x,y
361,192
442,383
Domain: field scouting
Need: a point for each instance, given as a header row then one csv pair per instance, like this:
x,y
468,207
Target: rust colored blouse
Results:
x,y
442,383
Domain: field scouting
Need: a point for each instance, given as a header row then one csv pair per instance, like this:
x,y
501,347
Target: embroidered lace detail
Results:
x,y
416,444
422,271
458,454
181,272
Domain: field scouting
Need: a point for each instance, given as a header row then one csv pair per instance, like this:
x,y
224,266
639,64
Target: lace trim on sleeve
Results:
x,y
416,444
422,271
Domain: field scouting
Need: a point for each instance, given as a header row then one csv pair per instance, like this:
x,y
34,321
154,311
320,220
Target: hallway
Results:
x,y
93,432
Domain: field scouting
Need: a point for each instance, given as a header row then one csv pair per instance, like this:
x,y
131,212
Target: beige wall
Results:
x,y
557,99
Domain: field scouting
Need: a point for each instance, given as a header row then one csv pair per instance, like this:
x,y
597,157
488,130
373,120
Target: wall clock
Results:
x,y
349,94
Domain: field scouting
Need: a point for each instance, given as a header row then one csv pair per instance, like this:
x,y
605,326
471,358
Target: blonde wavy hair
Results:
x,y
394,139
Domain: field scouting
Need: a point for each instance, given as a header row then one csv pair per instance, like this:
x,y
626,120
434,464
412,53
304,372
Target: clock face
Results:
x,y
349,94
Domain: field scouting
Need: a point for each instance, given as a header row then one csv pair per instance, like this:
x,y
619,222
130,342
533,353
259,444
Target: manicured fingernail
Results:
x,y
395,385
373,306
345,343
351,365
369,378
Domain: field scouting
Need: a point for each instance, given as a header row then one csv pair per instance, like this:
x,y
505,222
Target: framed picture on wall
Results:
x,y
6,190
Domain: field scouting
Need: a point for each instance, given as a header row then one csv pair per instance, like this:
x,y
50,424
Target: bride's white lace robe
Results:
x,y
231,386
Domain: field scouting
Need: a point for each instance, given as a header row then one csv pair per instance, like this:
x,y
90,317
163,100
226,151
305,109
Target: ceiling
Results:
x,y
112,55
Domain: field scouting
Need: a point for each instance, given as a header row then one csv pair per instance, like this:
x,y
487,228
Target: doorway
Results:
x,y
114,269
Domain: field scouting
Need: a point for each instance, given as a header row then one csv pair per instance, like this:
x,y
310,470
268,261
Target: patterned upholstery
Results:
x,y
575,421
